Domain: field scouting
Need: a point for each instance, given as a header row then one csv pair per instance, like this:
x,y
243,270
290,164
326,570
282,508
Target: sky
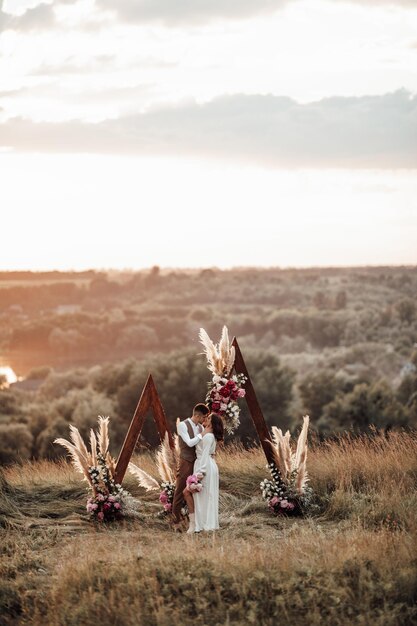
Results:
x,y
207,133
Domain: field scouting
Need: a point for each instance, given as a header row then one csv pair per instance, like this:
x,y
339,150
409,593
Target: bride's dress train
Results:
x,y
206,501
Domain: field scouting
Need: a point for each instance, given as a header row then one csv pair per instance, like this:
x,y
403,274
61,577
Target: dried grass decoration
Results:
x,y
166,463
224,390
107,500
288,492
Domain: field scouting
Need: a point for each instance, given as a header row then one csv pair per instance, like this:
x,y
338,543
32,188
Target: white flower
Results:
x,y
216,379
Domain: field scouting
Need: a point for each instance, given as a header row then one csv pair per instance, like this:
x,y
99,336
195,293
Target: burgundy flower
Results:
x,y
225,392
215,406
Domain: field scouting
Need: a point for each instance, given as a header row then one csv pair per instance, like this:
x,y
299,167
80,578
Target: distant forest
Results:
x,y
339,344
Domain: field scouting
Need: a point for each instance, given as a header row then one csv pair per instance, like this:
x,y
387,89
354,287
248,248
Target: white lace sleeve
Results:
x,y
207,446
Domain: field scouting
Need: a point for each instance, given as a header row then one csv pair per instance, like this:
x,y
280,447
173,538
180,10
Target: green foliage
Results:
x,y
317,390
15,443
366,405
341,300
58,384
406,310
407,388
274,389
58,427
140,336
308,337
39,373
9,402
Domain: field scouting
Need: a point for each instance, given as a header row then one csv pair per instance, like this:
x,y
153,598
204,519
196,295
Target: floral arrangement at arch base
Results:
x,y
166,463
107,500
288,492
224,390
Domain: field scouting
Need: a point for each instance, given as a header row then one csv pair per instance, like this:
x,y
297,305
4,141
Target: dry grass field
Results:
x,y
352,561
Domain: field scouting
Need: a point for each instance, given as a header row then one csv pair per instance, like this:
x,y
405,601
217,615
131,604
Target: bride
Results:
x,y
203,498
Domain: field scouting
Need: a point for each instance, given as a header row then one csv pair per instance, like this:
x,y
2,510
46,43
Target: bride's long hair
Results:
x,y
217,426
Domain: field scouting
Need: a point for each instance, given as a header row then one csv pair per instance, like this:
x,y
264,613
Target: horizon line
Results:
x,y
210,267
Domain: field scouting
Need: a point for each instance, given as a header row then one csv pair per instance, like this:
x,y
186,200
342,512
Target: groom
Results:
x,y
190,433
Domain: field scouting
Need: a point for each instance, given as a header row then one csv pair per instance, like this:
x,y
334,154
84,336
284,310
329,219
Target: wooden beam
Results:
x,y
149,399
253,404
159,414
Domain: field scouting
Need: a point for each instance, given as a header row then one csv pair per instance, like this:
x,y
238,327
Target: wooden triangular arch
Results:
x,y
149,399
253,404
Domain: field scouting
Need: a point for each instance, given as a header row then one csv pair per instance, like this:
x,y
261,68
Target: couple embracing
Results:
x,y
198,476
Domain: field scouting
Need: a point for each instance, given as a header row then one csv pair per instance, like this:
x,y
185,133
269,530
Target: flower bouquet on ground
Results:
x,y
107,500
166,463
224,390
288,492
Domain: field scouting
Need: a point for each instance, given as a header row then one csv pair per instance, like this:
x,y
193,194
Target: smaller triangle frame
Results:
x,y
149,399
253,404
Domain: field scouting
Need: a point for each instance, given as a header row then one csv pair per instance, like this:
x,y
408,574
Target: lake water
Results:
x,y
9,373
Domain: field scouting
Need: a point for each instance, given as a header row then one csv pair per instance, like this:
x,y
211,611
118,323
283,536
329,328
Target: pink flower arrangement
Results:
x,y
166,496
223,396
104,507
283,496
194,482
280,505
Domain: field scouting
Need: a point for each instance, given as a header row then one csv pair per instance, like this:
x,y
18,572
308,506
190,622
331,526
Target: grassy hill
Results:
x,y
353,561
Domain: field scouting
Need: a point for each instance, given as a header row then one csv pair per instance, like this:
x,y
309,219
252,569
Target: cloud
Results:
x,y
41,17
73,66
389,3
356,132
90,95
167,12
175,12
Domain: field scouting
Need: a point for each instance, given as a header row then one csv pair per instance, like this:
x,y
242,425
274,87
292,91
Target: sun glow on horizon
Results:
x,y
9,375
88,211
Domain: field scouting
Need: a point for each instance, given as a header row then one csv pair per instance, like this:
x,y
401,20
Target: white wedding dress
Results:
x,y
206,501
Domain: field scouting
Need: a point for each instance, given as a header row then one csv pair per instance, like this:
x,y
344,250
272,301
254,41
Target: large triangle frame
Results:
x,y
149,399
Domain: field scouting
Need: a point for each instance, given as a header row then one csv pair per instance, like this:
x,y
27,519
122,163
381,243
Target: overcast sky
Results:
x,y
211,132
